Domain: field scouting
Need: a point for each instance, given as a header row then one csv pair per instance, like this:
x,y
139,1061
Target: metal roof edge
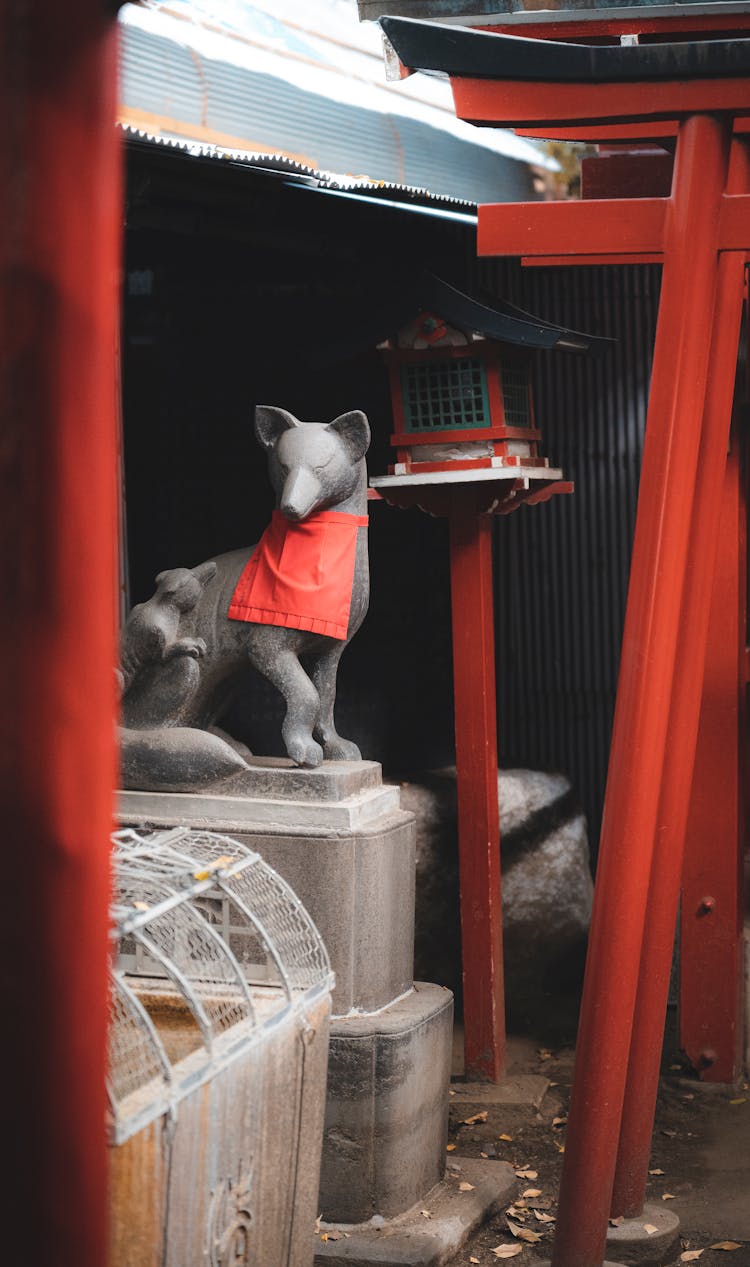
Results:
x,y
280,165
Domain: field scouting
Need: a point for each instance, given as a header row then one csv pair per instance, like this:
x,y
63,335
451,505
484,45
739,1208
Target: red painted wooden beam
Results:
x,y
520,104
603,227
659,566
476,766
607,226
59,262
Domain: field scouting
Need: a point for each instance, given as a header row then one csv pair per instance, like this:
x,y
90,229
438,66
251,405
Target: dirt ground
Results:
x,y
701,1149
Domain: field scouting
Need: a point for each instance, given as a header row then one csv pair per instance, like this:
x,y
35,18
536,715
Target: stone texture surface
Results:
x,y
183,656
386,1122
356,884
631,1243
411,1239
257,813
546,880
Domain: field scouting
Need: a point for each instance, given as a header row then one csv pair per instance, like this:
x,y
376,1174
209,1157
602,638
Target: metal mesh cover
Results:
x,y
515,386
445,395
136,1057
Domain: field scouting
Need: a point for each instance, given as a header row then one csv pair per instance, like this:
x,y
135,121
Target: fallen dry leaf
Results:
x,y
466,1187
670,1134
450,1148
506,1251
560,1148
473,1260
332,1236
318,1222
741,1099
523,1233
527,1174
690,1255
544,1218
656,1172
668,1196
476,1117
426,1214
508,1138
650,1228
544,1054
532,1192
559,1121
618,1222
516,1212
727,1245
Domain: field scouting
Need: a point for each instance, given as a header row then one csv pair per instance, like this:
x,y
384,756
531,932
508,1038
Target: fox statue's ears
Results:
x,y
271,422
354,430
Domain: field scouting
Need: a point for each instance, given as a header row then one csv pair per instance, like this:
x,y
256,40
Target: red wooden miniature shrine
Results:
x,y
692,94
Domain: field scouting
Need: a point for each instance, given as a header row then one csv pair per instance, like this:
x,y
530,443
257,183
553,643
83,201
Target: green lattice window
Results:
x,y
445,395
515,386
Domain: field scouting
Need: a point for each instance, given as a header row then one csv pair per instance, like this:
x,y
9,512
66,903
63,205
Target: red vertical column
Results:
x,y
711,927
59,253
658,570
664,889
476,765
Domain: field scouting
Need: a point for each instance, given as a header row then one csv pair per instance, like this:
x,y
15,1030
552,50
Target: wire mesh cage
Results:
x,y
220,1004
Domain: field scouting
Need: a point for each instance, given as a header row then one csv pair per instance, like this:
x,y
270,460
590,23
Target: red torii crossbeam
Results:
x,y
702,234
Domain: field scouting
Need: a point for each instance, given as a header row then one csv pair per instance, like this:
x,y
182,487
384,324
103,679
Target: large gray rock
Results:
x,y
546,881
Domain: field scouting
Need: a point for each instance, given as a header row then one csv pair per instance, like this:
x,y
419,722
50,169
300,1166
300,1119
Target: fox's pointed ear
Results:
x,y
354,430
271,422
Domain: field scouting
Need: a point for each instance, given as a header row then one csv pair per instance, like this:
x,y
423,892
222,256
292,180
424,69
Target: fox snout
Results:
x,y
301,494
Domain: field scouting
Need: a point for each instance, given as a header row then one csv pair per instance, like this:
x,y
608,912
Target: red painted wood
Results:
x,y
734,227
598,30
514,104
462,434
645,175
618,133
711,933
568,261
660,562
59,261
603,227
476,764
663,896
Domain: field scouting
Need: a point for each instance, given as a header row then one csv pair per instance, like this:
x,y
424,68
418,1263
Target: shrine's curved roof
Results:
x,y
462,52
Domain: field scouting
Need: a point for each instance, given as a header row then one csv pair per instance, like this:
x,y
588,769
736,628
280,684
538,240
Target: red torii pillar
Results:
x,y
62,217
702,232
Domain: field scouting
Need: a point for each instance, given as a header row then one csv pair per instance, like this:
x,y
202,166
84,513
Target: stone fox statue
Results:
x,y
303,590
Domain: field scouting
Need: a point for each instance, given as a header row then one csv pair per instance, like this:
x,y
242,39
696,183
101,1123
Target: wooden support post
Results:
x,y
655,597
476,764
713,906
59,272
663,896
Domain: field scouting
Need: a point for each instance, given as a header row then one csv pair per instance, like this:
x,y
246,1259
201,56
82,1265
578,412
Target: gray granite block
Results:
x,y
386,1121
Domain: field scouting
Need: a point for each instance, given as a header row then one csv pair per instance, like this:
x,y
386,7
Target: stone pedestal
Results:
x,y
341,840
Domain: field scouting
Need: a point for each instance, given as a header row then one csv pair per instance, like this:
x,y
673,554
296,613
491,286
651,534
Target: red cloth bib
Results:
x,y
300,575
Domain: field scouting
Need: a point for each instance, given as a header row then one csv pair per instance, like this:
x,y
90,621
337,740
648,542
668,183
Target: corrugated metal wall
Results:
x,y
562,568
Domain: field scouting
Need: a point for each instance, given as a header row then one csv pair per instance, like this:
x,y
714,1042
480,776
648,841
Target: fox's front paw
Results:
x,y
338,749
305,752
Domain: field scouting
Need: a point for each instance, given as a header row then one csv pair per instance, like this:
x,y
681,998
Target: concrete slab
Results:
x,y
201,809
514,1089
633,1243
386,1124
431,1239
